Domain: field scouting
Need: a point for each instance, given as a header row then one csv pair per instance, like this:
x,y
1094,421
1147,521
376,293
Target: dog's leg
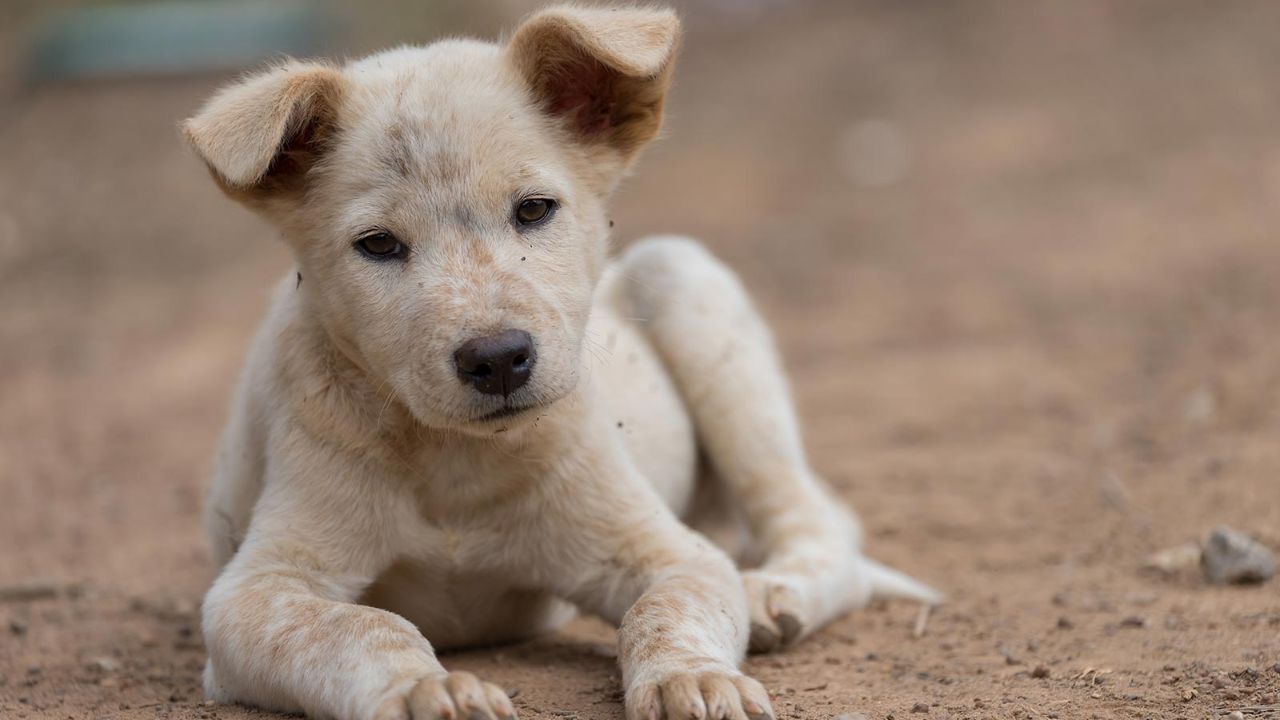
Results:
x,y
723,358
281,626
598,534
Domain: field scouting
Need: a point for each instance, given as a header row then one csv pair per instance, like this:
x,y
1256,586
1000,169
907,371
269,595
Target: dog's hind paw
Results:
x,y
778,616
786,606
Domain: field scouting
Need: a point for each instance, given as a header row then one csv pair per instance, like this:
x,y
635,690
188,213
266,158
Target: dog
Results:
x,y
461,422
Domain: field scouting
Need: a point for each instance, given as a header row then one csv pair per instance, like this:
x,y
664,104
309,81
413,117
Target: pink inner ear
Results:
x,y
582,92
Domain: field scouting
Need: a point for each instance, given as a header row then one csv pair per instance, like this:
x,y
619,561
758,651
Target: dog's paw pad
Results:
x,y
777,612
785,609
764,638
792,628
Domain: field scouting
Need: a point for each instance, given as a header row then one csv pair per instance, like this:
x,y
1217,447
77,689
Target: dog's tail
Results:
x,y
889,583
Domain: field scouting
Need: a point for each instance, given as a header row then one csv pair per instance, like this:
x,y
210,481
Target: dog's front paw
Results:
x,y
456,696
706,695
778,612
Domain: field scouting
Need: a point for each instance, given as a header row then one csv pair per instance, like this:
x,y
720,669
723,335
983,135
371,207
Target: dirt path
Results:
x,y
1023,263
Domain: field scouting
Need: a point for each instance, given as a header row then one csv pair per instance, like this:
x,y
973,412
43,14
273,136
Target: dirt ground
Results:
x,y
1021,259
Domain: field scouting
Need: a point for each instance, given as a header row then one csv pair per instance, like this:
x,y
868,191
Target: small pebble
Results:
x,y
1133,621
18,627
1040,671
1064,623
1235,715
1231,557
1175,559
920,708
1009,657
103,664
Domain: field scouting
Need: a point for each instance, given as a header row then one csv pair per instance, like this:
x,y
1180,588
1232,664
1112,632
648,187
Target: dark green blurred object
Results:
x,y
174,37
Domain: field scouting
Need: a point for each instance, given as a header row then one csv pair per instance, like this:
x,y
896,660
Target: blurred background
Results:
x,y
1022,260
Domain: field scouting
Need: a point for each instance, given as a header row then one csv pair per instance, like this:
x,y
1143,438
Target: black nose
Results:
x,y
497,364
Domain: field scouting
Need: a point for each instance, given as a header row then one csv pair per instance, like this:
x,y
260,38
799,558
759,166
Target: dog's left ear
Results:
x,y
261,135
602,71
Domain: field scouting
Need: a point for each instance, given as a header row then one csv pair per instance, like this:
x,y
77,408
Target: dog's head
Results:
x,y
446,204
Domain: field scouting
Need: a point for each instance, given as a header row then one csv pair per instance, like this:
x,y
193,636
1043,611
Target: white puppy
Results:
x,y
460,419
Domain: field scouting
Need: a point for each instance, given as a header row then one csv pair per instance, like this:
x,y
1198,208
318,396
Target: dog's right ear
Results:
x,y
261,135
604,72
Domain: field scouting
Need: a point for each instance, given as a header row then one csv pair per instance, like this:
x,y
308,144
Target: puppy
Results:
x,y
461,421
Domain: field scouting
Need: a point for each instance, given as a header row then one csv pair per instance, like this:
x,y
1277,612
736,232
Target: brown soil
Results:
x,y
1043,350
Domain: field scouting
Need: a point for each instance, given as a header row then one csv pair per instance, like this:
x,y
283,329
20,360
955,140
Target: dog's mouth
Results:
x,y
504,412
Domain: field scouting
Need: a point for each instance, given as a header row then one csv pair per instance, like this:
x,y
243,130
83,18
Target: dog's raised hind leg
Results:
x,y
724,360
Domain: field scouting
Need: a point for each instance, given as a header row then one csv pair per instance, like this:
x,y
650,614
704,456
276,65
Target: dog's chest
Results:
x,y
466,503
443,548
454,578
457,600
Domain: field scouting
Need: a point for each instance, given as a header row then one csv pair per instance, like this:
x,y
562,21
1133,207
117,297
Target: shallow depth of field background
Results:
x,y
1023,260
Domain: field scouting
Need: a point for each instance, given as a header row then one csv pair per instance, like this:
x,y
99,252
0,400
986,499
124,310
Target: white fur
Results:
x,y
363,510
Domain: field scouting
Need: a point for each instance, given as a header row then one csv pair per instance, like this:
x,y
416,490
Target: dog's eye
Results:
x,y
381,246
532,211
